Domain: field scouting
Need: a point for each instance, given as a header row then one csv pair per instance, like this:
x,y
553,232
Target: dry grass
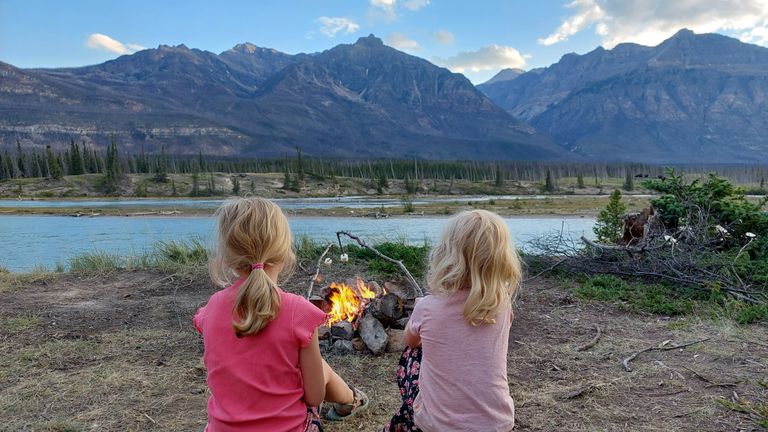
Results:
x,y
116,352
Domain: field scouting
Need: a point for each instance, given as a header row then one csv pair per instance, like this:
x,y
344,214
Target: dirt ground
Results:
x,y
117,352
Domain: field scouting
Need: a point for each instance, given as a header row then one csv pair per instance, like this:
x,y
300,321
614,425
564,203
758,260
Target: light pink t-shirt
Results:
x,y
255,381
463,380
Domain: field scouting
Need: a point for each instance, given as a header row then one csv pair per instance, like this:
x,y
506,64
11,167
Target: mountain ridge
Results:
x,y
354,100
692,98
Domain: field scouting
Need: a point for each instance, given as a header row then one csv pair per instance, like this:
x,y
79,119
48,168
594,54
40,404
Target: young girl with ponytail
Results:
x,y
265,371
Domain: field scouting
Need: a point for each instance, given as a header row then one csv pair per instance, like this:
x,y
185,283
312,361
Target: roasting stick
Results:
x,y
399,264
317,271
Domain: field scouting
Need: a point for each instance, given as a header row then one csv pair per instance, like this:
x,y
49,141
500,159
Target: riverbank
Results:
x,y
381,206
116,351
271,185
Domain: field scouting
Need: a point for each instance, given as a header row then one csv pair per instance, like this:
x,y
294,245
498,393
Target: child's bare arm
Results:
x,y
410,338
311,364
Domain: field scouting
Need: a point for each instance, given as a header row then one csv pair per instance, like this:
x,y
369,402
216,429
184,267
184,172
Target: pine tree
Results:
x,y
762,184
173,188
21,162
299,167
499,176
235,186
112,168
195,184
161,167
3,168
610,220
549,183
76,159
580,181
253,186
629,182
54,168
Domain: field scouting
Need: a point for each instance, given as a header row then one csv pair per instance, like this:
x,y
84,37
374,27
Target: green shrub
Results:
x,y
610,222
414,258
661,299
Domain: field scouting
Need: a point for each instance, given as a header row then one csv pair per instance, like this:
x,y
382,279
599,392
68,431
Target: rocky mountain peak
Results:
x,y
370,41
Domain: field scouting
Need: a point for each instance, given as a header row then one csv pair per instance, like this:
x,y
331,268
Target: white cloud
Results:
x,y
105,43
756,35
329,26
588,12
649,22
385,8
444,37
415,5
402,42
491,57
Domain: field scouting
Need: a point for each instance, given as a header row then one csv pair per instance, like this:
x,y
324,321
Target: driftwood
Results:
x,y
317,271
399,264
662,347
592,342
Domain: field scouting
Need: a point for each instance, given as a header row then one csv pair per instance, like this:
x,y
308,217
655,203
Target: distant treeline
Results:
x,y
84,159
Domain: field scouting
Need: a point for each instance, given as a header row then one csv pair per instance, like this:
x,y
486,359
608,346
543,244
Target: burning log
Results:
x,y
373,334
388,308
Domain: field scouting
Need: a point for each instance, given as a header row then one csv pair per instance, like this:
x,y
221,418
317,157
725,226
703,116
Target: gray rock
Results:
x,y
343,330
342,346
373,334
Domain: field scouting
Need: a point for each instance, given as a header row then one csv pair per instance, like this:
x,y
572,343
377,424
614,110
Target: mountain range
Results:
x,y
693,98
358,100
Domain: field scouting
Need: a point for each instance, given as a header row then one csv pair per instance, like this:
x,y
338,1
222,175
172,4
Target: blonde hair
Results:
x,y
252,230
476,252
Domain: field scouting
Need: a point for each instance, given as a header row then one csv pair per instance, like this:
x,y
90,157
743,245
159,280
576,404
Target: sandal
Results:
x,y
359,404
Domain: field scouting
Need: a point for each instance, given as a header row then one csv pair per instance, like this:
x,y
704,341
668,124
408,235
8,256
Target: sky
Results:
x,y
474,37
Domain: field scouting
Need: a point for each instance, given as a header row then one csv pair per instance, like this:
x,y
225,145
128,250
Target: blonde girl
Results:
x,y
453,376
265,371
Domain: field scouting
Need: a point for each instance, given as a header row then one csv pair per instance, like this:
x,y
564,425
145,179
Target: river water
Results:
x,y
29,241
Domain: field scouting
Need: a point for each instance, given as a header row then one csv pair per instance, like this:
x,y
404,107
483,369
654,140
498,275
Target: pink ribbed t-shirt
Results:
x,y
255,381
463,380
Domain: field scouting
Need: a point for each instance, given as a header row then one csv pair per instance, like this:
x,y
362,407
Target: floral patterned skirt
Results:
x,y
408,381
313,424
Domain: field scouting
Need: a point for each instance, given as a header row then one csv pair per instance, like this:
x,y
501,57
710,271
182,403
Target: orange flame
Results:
x,y
347,303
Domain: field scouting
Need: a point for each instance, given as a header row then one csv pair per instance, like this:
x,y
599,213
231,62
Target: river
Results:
x,y
30,241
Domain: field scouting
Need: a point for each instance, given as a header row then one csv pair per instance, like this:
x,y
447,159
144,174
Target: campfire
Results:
x,y
362,315
347,303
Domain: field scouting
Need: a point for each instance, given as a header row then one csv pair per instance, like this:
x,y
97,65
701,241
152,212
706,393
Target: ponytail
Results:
x,y
257,303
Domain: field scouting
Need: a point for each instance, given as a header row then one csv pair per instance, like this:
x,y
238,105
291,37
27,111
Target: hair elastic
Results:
x,y
257,265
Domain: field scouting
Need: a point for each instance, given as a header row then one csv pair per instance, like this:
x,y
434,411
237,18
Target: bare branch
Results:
x,y
399,264
317,271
